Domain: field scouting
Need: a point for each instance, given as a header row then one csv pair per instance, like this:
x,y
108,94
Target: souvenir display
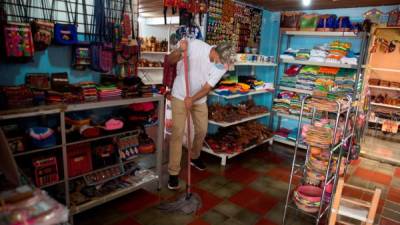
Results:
x,y
79,159
102,176
235,139
153,45
25,205
231,113
127,145
394,18
46,171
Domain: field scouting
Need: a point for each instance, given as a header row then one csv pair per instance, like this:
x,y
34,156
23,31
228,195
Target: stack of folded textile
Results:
x,y
146,90
307,77
319,53
289,54
337,50
18,96
282,133
344,82
303,54
88,91
282,102
54,97
288,81
325,81
108,91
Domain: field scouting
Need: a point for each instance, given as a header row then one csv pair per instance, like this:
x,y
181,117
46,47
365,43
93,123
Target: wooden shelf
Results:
x,y
225,156
385,105
384,88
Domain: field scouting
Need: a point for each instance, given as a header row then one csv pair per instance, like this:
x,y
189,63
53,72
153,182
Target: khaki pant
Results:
x,y
200,121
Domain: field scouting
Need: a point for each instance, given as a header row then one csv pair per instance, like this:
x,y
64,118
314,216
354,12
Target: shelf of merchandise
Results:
x,y
312,63
384,88
331,176
297,90
154,53
287,141
385,105
255,64
60,110
242,95
320,34
290,116
226,156
285,40
150,68
383,69
36,150
226,124
111,196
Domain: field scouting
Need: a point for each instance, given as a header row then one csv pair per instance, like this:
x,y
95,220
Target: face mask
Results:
x,y
219,66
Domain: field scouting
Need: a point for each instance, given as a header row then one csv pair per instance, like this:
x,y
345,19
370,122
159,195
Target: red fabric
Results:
x,y
169,73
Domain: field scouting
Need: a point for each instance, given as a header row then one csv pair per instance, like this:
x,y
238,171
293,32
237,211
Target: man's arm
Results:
x,y
175,56
200,94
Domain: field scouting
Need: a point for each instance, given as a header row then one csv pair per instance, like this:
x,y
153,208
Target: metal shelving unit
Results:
x,y
335,156
362,36
60,110
225,156
228,124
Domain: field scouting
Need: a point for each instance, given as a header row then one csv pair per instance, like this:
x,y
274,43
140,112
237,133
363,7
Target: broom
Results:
x,y
189,202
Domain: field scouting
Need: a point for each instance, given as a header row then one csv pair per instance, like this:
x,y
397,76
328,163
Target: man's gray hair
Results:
x,y
226,52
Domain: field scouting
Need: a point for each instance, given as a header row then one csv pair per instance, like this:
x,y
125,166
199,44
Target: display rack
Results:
x,y
60,110
299,167
225,156
289,35
383,66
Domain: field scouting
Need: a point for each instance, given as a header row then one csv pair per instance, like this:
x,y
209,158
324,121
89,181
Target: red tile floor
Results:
x,y
250,190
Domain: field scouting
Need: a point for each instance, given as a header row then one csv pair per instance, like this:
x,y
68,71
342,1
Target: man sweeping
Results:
x,y
206,65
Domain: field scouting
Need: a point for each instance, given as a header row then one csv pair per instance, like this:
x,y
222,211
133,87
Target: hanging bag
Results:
x,y
290,20
326,22
169,4
18,36
308,22
66,34
343,24
43,29
81,56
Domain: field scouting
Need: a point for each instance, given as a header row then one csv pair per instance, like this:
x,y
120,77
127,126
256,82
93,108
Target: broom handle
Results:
x,y
189,144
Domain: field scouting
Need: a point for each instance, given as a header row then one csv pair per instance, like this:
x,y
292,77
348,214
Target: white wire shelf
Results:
x,y
225,156
320,33
242,95
288,142
293,117
255,64
150,68
312,63
385,105
111,196
154,53
297,90
226,124
384,88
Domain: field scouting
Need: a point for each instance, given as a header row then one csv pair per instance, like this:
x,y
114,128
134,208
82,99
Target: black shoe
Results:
x,y
198,164
173,182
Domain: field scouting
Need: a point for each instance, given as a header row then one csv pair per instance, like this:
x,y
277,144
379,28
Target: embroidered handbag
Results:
x,y
38,81
81,57
18,42
308,22
43,32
